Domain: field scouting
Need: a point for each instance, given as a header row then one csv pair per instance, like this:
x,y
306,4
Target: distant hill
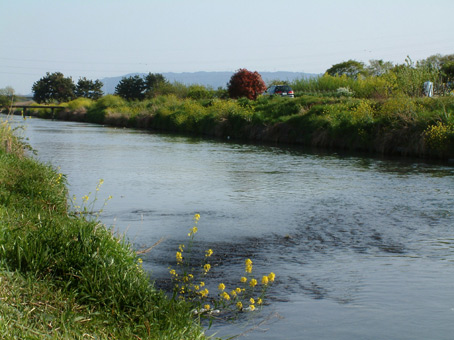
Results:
x,y
209,79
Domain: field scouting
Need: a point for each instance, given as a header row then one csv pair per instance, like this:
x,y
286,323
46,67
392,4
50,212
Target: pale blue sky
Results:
x,y
103,38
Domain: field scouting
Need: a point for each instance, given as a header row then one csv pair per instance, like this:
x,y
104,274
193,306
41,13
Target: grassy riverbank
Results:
x,y
64,275
402,125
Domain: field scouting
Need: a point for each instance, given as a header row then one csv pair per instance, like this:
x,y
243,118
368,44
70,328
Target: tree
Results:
x,y
245,83
448,71
53,87
154,81
411,76
89,88
6,96
350,68
131,88
378,67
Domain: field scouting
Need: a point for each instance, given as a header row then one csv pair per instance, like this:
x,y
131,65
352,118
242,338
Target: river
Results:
x,y
362,247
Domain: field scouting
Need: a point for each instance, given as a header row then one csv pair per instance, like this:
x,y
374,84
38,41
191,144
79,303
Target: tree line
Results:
x,y
55,87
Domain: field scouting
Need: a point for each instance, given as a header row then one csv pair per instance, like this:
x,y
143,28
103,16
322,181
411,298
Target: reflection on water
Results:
x,y
363,247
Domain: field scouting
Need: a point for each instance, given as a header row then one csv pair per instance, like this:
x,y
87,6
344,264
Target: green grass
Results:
x,y
64,275
369,120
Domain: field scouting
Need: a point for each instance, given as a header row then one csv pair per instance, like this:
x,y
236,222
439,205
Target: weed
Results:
x,y
189,284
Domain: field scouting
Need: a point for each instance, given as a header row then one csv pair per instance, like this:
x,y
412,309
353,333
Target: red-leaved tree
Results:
x,y
247,84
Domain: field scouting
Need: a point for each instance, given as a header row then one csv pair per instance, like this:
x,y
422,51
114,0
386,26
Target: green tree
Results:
x,y
53,87
245,83
131,88
448,71
437,61
153,82
350,68
6,96
410,77
89,88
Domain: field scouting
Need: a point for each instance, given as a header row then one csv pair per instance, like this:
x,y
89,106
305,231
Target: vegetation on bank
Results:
x,y
379,108
66,276
402,125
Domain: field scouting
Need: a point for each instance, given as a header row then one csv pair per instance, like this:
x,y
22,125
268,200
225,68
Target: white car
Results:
x,y
279,90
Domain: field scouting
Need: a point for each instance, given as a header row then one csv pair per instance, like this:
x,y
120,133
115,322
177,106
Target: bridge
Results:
x,y
25,107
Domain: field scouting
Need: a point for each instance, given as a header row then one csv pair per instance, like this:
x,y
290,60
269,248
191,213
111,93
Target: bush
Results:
x,y
439,137
247,84
80,103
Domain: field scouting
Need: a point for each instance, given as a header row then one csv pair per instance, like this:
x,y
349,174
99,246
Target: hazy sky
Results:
x,y
103,38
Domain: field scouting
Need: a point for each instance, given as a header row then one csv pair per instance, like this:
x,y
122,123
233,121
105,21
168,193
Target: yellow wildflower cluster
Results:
x,y
194,229
179,257
59,177
436,136
249,293
87,208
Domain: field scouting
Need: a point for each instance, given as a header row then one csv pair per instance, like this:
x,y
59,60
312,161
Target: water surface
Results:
x,y
363,248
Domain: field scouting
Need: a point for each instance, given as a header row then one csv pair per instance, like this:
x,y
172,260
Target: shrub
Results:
x,y
247,84
79,103
439,137
199,92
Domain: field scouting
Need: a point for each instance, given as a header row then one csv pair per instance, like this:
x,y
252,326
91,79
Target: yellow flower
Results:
x,y
252,307
243,279
139,260
248,264
206,267
238,290
265,280
204,292
271,277
239,305
202,284
233,293
225,296
207,307
181,246
221,286
209,252
196,217
173,272
259,301
192,231
179,257
252,301
85,198
101,181
253,283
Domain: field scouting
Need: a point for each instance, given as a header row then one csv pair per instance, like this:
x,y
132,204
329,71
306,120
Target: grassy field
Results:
x,y
64,275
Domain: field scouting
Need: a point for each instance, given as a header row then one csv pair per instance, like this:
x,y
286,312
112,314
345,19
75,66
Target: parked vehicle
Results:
x,y
279,90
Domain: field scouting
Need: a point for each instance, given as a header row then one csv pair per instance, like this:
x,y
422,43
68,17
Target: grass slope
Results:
x,y
65,276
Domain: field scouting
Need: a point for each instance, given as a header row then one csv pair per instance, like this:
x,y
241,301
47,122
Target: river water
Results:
x,y
363,248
